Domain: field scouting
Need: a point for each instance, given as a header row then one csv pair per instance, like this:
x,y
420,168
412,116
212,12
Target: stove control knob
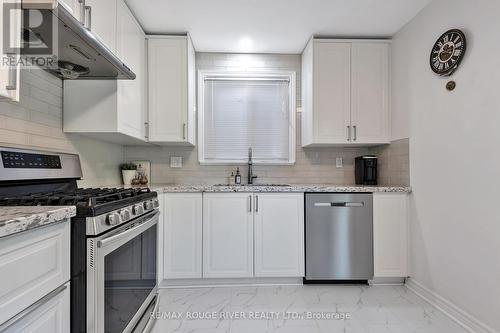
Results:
x,y
138,210
113,219
125,215
156,203
148,205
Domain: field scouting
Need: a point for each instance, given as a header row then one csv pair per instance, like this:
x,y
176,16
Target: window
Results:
x,y
242,111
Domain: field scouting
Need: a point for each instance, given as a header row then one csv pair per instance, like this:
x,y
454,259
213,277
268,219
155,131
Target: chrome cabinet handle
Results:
x,y
88,17
349,133
82,11
256,203
42,301
146,129
12,85
184,131
355,128
250,203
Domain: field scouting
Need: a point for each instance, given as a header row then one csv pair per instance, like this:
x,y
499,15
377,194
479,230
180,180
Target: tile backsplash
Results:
x,y
312,166
394,163
36,123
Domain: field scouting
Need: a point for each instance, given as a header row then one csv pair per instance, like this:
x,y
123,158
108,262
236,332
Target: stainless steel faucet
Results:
x,y
251,176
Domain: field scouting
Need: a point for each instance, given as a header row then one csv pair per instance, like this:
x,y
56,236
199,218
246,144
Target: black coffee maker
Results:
x,y
366,170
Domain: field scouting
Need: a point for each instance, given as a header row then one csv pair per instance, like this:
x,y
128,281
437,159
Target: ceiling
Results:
x,y
272,26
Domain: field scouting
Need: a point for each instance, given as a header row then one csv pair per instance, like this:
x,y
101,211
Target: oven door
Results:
x,y
121,276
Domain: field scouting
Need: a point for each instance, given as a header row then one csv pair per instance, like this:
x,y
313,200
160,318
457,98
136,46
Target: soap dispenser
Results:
x,y
237,178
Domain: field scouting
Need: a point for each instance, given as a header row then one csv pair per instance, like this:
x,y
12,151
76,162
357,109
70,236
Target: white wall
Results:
x,y
36,123
454,155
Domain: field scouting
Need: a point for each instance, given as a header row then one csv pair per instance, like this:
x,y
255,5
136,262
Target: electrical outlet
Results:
x,y
175,162
339,162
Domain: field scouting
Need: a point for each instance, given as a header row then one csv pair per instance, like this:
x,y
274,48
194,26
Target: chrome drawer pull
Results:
x,y
42,301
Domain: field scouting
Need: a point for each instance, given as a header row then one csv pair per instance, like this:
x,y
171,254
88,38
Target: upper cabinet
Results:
x,y
114,111
345,92
103,22
75,8
172,84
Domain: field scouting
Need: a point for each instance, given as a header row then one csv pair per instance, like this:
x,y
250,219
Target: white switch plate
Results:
x,y
175,162
339,162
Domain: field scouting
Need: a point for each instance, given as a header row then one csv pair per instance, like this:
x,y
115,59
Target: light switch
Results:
x,y
175,161
339,162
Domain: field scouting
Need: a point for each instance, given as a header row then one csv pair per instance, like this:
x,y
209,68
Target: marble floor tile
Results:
x,y
299,309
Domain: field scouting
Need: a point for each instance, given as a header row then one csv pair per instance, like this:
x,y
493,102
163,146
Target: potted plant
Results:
x,y
128,172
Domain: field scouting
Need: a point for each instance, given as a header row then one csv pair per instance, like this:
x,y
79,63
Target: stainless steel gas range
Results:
x,y
113,239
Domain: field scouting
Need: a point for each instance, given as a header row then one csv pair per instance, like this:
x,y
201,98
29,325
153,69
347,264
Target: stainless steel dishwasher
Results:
x,y
339,237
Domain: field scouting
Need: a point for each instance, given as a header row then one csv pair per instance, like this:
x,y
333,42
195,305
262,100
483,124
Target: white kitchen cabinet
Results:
x,y
370,93
182,235
390,234
33,264
104,21
228,235
51,316
327,104
10,76
172,84
74,7
345,91
279,235
113,111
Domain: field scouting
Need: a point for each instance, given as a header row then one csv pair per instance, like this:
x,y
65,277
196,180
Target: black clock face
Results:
x,y
448,52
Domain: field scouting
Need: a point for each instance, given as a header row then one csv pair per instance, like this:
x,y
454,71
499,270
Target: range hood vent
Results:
x,y
80,55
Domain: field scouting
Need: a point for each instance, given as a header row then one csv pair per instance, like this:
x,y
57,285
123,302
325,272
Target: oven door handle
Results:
x,y
137,230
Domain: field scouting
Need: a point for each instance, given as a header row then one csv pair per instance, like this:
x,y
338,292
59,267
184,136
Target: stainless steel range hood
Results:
x,y
80,55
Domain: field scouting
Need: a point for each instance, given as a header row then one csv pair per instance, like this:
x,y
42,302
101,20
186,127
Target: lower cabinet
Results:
x,y
390,234
49,315
32,265
182,235
279,235
227,235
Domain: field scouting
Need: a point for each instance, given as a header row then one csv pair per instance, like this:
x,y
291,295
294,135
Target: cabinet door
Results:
x,y
168,93
227,235
10,76
131,49
74,7
331,92
103,21
191,117
32,263
51,317
390,234
370,93
182,235
279,235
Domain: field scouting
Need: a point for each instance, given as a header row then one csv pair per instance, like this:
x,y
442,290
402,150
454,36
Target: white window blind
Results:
x,y
247,112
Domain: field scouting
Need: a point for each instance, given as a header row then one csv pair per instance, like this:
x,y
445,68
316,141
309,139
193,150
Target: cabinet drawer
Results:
x,y
33,264
50,315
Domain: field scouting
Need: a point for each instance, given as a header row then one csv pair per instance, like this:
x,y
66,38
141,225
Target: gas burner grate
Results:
x,y
89,201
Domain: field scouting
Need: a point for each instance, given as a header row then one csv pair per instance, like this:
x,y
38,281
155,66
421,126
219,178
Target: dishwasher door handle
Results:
x,y
339,204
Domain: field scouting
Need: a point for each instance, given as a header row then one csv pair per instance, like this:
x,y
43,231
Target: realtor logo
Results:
x,y
29,36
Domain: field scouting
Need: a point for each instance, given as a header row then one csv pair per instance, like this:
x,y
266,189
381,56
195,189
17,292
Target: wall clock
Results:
x,y
448,52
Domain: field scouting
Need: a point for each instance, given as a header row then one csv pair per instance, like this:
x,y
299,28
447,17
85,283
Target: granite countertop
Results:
x,y
179,188
17,219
